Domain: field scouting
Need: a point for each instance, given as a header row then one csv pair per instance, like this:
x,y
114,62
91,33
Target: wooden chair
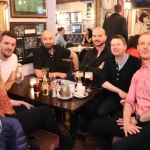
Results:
x,y
67,65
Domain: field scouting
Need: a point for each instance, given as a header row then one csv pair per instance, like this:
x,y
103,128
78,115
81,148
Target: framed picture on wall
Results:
x,y
76,28
65,24
28,8
88,24
66,16
138,13
76,17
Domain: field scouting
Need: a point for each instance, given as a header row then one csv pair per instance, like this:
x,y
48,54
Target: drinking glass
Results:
x,y
32,81
79,75
45,71
52,80
36,86
88,81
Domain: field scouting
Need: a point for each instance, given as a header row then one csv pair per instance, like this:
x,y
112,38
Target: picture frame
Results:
x,y
28,9
65,23
66,16
88,24
23,28
76,17
138,13
28,38
76,28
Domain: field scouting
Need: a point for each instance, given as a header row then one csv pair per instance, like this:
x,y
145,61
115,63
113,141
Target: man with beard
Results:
x,y
8,60
93,61
50,55
115,78
94,58
21,109
134,125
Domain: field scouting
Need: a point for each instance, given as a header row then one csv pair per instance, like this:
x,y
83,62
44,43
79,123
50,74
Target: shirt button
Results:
x,y
117,79
118,74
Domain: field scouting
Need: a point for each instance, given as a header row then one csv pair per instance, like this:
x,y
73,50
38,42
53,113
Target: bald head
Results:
x,y
99,29
47,39
47,32
99,36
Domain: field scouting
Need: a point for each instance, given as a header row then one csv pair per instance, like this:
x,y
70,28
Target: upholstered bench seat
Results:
x,y
75,38
45,140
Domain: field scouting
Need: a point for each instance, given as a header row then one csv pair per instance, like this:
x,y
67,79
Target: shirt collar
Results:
x,y
146,66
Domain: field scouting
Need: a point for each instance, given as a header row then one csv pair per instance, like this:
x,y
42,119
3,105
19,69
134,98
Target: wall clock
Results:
x,y
107,4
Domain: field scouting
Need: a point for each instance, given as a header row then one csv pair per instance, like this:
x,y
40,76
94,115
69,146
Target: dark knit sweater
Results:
x,y
121,78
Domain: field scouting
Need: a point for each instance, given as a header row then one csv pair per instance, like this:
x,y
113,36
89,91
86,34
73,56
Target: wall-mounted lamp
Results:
x,y
20,2
127,5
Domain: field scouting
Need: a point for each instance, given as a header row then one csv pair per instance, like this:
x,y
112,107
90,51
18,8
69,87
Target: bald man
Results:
x,y
94,58
93,61
50,55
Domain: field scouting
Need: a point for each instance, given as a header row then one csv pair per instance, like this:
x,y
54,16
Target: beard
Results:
x,y
6,55
48,47
100,43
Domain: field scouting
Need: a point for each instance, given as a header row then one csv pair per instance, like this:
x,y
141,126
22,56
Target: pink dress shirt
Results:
x,y
139,92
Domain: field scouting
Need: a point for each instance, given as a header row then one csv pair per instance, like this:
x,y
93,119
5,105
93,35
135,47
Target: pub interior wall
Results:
x,y
75,7
28,68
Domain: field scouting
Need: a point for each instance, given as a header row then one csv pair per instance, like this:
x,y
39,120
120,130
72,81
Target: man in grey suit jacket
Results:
x,y
115,24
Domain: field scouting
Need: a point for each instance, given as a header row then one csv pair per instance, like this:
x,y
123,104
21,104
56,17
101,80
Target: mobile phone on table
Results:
x,y
32,138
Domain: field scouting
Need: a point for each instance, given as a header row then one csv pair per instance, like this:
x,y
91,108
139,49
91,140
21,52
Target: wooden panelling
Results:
x,y
65,1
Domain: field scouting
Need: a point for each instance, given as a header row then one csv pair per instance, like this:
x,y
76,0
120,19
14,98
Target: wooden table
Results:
x,y
72,105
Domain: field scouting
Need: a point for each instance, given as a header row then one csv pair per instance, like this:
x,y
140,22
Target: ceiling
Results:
x,y
65,1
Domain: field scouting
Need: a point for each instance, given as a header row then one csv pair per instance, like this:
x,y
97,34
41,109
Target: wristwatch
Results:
x,y
137,118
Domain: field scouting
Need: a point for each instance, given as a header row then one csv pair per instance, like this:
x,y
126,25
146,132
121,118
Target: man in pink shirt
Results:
x,y
135,124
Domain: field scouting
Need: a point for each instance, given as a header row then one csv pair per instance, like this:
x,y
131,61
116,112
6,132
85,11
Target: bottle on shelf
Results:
x,y
45,90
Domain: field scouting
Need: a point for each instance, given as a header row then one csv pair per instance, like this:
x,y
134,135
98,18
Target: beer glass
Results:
x,y
88,81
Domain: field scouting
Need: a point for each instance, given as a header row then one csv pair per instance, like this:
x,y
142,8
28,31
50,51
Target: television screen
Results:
x,y
140,3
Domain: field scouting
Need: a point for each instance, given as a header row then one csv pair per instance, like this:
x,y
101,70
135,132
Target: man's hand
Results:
x,y
101,65
27,105
62,75
130,128
122,94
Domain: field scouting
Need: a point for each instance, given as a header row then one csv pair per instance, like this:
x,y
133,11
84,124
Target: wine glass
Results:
x,y
88,81
79,75
45,70
53,80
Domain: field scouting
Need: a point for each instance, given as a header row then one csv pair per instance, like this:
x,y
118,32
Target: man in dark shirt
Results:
x,y
50,55
115,24
115,78
94,58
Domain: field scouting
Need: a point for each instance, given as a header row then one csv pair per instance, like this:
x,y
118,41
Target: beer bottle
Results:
x,y
45,90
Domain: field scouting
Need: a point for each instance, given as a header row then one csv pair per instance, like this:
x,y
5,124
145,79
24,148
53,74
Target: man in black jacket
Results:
x,y
94,59
115,24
